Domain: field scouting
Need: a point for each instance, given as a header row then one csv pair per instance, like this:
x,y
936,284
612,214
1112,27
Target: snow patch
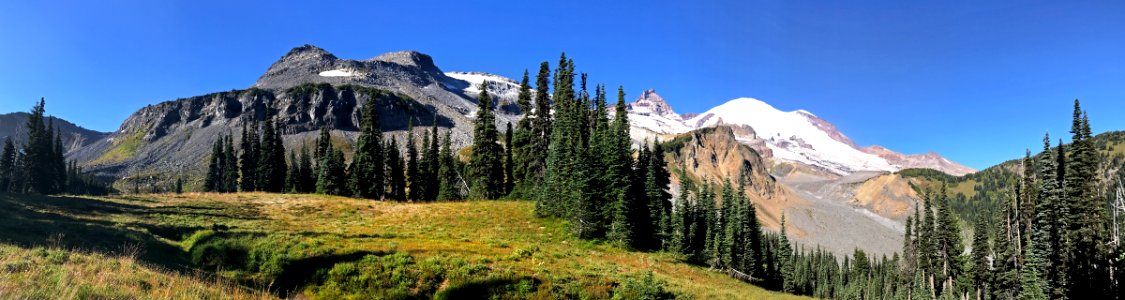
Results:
x,y
337,73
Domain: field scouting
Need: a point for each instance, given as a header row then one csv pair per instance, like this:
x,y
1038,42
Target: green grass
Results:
x,y
122,149
326,247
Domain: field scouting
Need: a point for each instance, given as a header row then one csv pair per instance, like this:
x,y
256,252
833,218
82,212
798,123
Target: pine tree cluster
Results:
x,y
40,166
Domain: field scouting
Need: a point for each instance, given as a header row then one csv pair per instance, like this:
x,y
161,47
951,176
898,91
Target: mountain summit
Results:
x,y
794,137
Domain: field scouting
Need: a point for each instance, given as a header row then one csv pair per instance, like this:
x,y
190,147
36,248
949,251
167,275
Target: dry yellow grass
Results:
x,y
52,273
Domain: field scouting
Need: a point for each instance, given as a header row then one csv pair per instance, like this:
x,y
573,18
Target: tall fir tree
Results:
x,y
7,165
213,181
412,179
486,168
449,187
396,175
1040,249
559,194
949,243
509,161
308,171
37,153
293,175
616,155
271,159
369,164
433,163
656,190
230,166
248,158
331,179
785,253
1088,268
522,143
981,253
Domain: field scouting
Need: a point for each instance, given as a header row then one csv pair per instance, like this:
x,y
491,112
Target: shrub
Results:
x,y
646,287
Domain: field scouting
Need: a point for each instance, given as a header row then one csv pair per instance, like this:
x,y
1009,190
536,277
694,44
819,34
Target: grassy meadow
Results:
x,y
259,246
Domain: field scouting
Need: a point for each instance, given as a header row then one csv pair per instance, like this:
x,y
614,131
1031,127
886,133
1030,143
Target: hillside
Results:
x,y
74,136
320,247
306,89
975,194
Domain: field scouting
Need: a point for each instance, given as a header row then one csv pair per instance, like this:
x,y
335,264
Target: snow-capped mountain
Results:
x,y
794,136
651,115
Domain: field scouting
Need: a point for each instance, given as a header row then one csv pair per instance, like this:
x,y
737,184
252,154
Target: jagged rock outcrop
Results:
x,y
715,155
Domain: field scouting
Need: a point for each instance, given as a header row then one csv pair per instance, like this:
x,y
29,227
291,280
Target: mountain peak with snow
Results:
x,y
650,114
651,103
797,136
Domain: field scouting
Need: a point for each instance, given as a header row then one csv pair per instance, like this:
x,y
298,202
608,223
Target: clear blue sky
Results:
x,y
975,81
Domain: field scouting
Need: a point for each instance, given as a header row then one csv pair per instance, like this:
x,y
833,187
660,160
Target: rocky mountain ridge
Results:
x,y
306,89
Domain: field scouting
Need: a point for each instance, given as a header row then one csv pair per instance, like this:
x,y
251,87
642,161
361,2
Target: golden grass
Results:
x,y
504,236
52,273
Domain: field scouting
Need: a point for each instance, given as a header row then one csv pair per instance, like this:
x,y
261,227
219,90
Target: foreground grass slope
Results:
x,y
321,247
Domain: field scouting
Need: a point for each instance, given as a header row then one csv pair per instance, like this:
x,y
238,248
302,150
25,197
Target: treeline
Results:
x,y
39,166
378,170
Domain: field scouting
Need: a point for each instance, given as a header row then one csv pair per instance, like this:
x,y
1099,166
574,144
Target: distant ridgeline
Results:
x,y
37,165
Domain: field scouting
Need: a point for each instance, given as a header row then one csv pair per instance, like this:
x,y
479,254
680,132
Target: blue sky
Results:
x,y
975,81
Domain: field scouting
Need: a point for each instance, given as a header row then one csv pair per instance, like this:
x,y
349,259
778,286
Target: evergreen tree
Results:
x,y
37,153
1087,216
682,218
1005,283
412,178
752,231
615,155
7,165
729,225
271,160
212,180
58,161
230,166
308,176
640,214
785,252
369,164
926,238
541,128
560,193
510,179
659,199
248,159
293,175
332,178
324,144
1035,275
396,176
432,164
486,169
982,250
949,244
522,143
450,181
179,188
